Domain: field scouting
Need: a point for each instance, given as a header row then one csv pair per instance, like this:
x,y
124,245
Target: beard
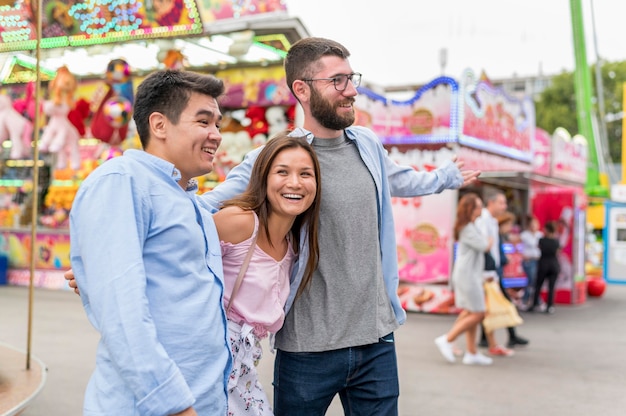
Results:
x,y
326,113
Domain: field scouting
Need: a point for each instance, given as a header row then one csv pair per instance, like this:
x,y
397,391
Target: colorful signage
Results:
x,y
52,250
429,117
569,156
494,122
88,22
471,113
213,10
543,151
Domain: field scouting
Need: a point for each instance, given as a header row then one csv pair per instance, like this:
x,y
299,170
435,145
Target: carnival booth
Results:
x,y
94,54
557,194
490,132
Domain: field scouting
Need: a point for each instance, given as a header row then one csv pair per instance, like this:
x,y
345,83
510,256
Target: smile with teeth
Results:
x,y
208,150
292,196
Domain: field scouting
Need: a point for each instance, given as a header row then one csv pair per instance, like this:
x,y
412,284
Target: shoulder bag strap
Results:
x,y
242,271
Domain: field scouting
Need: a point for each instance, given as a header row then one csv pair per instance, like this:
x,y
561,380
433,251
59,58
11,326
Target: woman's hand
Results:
x,y
71,281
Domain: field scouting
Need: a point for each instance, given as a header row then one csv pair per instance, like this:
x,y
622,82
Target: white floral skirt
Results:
x,y
245,393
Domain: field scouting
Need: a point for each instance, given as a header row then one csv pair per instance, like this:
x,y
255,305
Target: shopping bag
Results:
x,y
501,313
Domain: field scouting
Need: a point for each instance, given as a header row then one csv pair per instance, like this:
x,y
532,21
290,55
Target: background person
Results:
x,y
496,205
548,267
530,253
467,280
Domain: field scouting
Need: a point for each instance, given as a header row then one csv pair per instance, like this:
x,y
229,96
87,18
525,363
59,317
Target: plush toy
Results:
x,y
233,148
265,123
79,114
113,110
62,87
15,127
174,59
276,119
59,135
256,124
236,142
26,105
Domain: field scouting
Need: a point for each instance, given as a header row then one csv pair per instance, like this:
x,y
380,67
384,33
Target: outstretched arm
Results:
x,y
405,181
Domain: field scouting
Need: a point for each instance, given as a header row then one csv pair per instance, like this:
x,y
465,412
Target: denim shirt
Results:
x,y
137,244
391,180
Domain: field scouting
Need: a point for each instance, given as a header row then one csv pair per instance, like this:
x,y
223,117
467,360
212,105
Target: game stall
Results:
x,y
490,132
94,54
557,194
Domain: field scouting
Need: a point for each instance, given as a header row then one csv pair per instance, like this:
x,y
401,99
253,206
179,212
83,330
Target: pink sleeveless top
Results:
x,y
264,288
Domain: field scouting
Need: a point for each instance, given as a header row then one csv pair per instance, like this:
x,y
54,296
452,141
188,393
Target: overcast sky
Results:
x,y
397,42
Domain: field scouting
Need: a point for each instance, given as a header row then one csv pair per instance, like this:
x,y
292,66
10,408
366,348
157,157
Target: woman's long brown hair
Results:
x,y
464,212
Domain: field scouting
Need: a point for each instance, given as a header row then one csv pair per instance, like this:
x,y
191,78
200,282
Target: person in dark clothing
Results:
x,y
548,267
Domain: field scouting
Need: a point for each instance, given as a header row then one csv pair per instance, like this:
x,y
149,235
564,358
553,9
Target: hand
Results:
x,y
187,412
469,176
71,281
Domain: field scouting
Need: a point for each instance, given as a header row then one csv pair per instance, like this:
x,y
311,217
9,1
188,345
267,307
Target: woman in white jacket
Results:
x,y
467,279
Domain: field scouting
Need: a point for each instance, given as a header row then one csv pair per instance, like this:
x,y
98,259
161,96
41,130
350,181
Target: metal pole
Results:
x,y
582,84
624,134
35,210
604,154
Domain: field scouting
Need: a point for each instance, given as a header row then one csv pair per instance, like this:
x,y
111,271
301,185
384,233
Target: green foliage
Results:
x,y
556,106
613,78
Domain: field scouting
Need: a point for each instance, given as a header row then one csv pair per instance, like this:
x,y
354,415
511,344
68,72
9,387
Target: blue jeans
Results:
x,y
365,377
530,268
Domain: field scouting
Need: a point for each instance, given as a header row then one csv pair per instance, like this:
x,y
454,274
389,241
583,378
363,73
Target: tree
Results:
x,y
556,106
613,79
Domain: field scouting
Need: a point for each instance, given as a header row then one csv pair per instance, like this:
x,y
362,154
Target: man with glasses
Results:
x,y
338,334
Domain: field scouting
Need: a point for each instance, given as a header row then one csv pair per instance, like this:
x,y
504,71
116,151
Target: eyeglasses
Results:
x,y
340,81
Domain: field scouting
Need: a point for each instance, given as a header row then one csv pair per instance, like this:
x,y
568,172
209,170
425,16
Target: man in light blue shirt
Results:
x,y
147,260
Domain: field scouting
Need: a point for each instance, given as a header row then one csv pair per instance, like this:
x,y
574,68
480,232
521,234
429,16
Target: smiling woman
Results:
x,y
259,233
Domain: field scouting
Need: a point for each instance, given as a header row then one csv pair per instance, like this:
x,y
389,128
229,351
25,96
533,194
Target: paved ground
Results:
x,y
575,364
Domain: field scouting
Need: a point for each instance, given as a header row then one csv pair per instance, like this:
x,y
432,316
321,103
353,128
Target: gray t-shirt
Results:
x,y
346,304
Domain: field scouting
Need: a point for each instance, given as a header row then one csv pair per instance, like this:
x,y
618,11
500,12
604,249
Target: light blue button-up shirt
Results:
x,y
137,244
390,178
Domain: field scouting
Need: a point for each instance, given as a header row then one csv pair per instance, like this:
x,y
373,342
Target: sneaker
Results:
x,y
550,310
501,351
517,341
445,348
476,359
